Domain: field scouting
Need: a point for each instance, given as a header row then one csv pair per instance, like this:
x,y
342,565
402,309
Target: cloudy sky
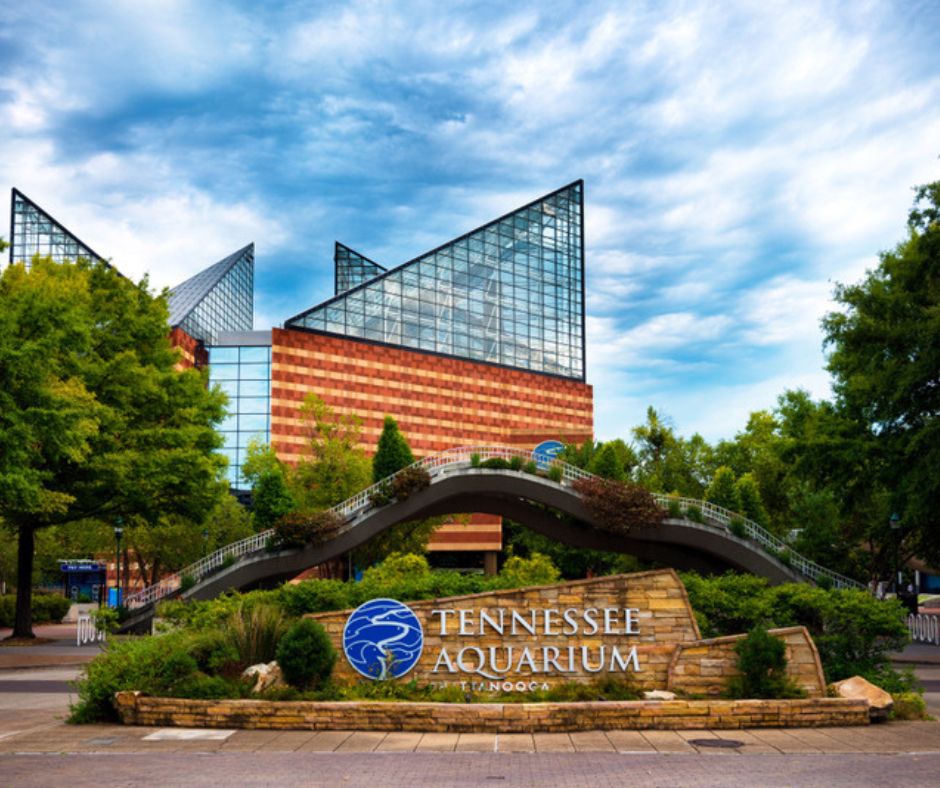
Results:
x,y
738,157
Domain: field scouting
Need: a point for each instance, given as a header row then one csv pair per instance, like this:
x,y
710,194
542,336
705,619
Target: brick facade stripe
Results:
x,y
438,402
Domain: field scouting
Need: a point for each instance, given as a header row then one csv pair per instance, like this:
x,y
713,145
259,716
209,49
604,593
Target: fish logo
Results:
x,y
383,639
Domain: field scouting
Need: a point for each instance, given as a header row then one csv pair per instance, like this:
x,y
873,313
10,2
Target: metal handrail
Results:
x,y
460,458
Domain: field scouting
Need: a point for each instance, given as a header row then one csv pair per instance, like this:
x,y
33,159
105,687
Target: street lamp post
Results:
x,y
118,533
895,523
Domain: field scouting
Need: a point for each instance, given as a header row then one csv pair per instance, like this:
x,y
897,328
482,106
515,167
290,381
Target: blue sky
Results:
x,y
738,157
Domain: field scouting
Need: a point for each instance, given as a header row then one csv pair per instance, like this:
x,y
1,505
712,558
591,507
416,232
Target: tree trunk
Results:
x,y
23,624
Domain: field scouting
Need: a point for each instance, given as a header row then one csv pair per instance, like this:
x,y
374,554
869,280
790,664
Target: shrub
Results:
x,y
516,463
186,583
762,662
538,570
556,473
674,508
297,529
694,513
409,481
106,619
201,687
530,467
722,490
619,507
306,655
47,608
737,528
255,632
495,464
397,568
381,495
474,460
824,582
909,706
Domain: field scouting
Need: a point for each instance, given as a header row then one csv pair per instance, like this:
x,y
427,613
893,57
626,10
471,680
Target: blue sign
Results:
x,y
545,452
383,639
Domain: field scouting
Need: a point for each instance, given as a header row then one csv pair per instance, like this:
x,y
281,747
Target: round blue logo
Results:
x,y
545,452
383,639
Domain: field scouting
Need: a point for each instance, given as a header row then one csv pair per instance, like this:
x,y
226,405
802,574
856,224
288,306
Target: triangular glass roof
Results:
x,y
33,231
219,298
352,268
510,293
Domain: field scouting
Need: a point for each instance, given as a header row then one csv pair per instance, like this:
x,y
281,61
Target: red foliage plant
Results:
x,y
619,507
298,529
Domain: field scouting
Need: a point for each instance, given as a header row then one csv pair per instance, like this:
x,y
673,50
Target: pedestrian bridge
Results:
x,y
552,508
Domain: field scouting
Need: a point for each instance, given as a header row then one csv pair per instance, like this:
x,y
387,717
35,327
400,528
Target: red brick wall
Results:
x,y
438,402
193,352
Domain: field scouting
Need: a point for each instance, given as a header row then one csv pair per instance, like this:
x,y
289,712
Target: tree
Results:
x,y
335,467
96,422
884,355
752,506
667,463
722,490
392,453
607,463
271,494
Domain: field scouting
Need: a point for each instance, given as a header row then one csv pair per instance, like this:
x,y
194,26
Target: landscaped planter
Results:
x,y
137,709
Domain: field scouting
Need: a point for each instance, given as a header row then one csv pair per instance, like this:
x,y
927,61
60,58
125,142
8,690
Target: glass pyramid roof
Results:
x,y
219,298
33,231
352,268
510,293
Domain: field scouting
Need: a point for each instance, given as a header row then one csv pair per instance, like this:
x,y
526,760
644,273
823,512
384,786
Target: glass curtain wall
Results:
x,y
352,269
33,231
244,374
510,293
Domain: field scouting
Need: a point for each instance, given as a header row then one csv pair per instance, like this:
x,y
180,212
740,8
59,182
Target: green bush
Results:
x,y
474,460
47,608
495,464
516,463
538,570
762,663
909,706
694,513
305,655
556,473
853,631
737,528
381,495
156,665
530,467
674,508
186,583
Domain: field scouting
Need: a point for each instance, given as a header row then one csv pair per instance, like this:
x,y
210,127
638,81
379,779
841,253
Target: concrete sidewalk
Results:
x,y
60,652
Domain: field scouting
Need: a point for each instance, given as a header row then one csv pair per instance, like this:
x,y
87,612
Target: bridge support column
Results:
x,y
489,562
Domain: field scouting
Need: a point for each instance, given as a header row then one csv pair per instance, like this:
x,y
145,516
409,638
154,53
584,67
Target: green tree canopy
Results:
x,y
884,355
722,490
271,494
749,495
96,422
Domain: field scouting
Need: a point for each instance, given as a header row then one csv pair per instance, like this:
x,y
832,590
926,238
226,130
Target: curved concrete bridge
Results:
x,y
552,508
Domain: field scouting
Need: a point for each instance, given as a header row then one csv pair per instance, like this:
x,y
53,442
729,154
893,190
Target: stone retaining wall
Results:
x,y
136,709
704,667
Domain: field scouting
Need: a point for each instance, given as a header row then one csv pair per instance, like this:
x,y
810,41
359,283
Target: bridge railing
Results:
x,y
456,459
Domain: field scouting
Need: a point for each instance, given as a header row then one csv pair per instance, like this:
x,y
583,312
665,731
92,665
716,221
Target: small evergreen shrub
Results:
x,y
305,655
474,460
409,481
762,662
909,706
537,570
530,467
737,528
381,495
674,508
186,583
824,582
516,463
495,464
556,473
47,608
